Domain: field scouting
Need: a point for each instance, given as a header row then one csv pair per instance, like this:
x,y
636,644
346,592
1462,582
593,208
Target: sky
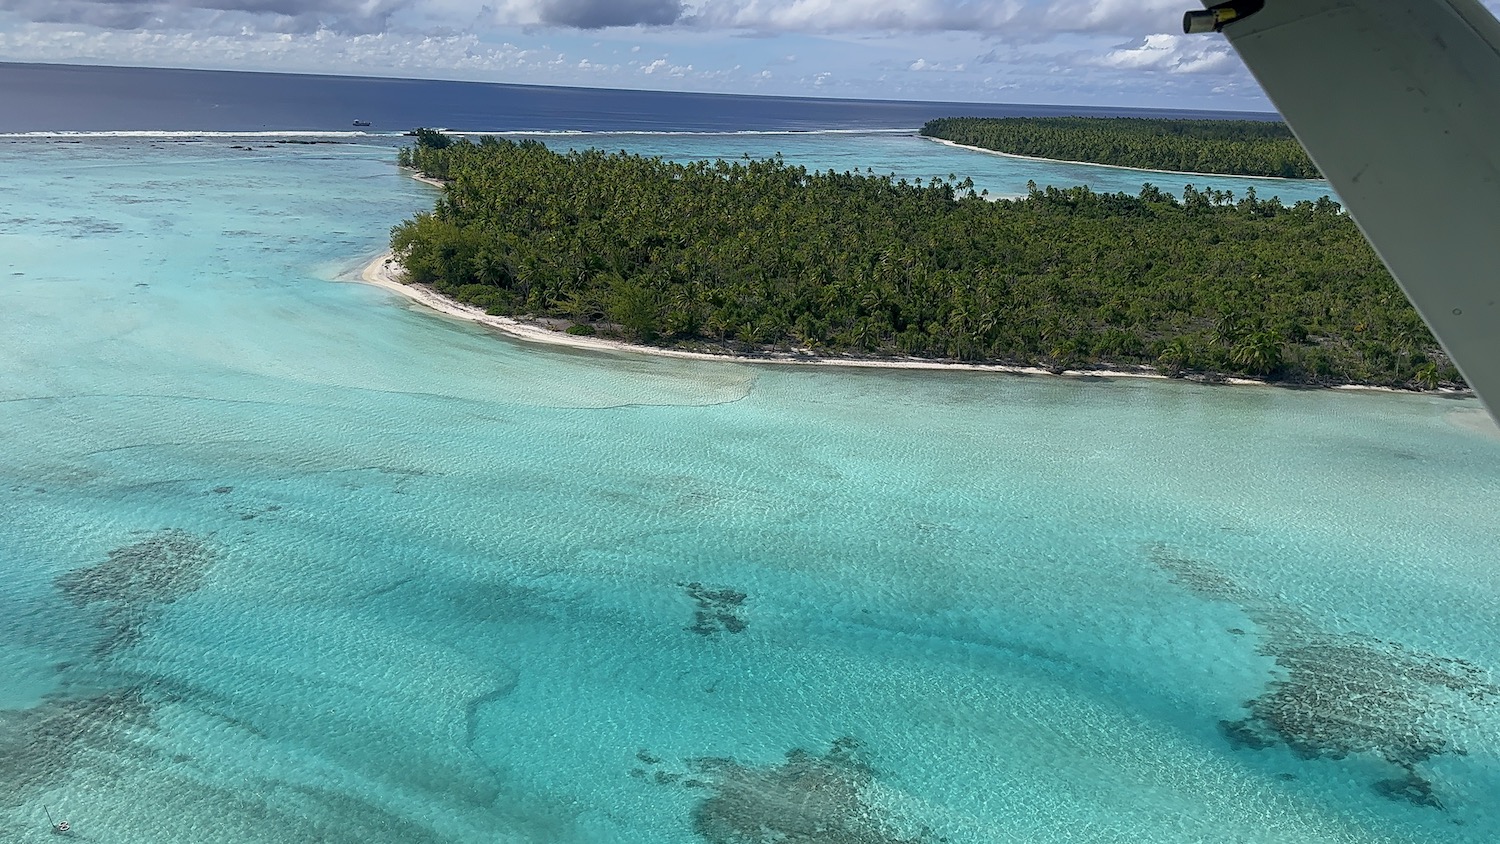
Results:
x,y
1072,52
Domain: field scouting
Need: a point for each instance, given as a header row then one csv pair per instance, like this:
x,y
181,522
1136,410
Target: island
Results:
x,y
1227,147
763,258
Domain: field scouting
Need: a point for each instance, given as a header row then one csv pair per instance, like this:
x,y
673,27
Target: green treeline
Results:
x,y
1232,147
757,255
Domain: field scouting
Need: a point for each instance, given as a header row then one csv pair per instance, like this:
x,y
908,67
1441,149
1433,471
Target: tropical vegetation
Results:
x,y
1231,147
759,255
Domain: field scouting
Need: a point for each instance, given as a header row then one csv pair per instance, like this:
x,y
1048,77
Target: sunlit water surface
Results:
x,y
286,559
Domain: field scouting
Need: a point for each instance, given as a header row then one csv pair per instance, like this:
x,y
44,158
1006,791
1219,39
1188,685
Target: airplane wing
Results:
x,y
1398,103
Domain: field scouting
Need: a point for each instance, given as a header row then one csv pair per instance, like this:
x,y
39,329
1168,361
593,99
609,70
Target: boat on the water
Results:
x,y
361,123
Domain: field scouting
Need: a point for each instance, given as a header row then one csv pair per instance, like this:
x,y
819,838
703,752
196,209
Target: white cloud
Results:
x,y
317,52
301,16
854,15
923,65
1067,51
666,68
1172,54
1109,16
583,14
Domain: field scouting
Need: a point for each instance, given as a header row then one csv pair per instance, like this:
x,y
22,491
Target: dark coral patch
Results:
x,y
38,745
1196,577
1411,788
808,798
717,609
1342,694
1244,735
1348,694
136,581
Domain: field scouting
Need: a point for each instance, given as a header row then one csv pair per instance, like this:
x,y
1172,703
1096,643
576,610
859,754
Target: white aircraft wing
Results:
x,y
1398,103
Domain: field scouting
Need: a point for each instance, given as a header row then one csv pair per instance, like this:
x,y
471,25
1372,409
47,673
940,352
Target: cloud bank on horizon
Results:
x,y
1117,52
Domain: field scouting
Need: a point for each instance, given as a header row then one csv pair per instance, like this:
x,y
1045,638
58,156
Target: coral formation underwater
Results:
x,y
1339,694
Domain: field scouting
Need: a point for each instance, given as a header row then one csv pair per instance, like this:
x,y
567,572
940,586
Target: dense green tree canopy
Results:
x,y
1232,147
756,255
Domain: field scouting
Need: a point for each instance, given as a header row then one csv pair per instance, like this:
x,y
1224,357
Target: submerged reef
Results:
x,y
718,609
1197,577
1339,694
1347,694
39,745
136,581
87,720
104,736
807,798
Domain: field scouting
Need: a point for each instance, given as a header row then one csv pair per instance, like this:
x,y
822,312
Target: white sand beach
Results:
x,y
386,273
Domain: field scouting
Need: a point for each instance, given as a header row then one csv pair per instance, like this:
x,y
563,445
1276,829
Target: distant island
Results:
x,y
1225,147
762,257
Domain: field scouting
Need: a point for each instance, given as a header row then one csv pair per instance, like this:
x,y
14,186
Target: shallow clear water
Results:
x,y
288,559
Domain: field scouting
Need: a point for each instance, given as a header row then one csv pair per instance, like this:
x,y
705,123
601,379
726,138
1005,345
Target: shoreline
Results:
x,y
957,145
386,273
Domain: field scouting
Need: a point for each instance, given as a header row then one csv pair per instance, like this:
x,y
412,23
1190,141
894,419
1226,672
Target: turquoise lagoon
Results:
x,y
902,153
289,559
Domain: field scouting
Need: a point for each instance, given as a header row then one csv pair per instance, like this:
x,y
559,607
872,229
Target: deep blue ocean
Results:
x,y
288,558
42,98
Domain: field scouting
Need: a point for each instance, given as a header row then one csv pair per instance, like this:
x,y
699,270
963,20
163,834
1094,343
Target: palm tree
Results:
x,y
1259,353
1175,356
1426,376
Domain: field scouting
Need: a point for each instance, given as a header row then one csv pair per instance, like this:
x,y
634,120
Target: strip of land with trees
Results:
x,y
756,256
1228,147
